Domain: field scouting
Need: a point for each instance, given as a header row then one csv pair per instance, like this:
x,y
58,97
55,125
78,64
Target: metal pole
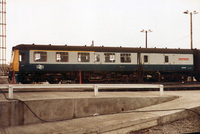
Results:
x,y
191,30
80,79
13,79
10,91
96,90
146,38
161,90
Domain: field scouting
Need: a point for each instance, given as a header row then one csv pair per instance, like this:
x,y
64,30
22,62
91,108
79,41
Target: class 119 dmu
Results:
x,y
98,64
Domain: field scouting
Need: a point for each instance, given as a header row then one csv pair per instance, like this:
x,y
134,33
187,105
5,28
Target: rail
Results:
x,y
96,87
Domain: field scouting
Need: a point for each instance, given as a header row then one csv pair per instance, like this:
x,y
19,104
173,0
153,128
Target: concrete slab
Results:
x,y
53,106
120,122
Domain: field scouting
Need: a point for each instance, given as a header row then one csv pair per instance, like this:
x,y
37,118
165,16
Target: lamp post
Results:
x,y
191,13
145,31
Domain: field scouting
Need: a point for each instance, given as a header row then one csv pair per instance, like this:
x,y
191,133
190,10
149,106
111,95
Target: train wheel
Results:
x,y
197,77
26,82
53,81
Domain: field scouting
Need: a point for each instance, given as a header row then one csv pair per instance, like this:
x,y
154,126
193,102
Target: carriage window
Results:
x,y
145,58
166,59
83,57
109,57
22,57
97,58
40,56
61,56
125,58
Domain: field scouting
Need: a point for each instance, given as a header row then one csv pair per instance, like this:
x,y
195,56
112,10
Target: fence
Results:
x,y
96,87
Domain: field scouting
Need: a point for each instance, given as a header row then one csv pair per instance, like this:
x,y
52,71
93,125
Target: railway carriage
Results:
x,y
88,64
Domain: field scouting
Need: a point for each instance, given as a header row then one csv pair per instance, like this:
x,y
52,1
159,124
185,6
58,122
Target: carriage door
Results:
x,y
23,59
140,68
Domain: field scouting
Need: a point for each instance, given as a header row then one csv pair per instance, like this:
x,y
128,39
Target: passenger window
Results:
x,y
61,56
145,58
166,59
21,57
83,57
97,58
109,57
125,58
40,56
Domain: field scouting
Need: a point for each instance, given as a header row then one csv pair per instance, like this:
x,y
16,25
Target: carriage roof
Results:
x,y
100,49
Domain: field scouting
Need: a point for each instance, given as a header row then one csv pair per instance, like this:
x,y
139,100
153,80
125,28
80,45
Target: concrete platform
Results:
x,y
120,118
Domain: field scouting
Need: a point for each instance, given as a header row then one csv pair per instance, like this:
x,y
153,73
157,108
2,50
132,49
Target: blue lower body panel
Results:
x,y
168,67
100,67
77,67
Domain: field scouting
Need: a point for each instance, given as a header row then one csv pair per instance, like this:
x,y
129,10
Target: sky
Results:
x,y
106,22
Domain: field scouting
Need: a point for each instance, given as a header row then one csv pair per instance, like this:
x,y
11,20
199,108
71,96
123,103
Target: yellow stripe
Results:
x,y
16,60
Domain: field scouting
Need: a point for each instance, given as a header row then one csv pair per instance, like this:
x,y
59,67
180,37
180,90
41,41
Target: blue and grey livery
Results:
x,y
52,63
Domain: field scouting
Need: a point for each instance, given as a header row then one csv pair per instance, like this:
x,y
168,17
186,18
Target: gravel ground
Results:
x,y
190,125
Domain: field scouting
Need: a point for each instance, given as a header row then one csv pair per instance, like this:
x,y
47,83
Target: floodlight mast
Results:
x,y
3,37
191,13
146,34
